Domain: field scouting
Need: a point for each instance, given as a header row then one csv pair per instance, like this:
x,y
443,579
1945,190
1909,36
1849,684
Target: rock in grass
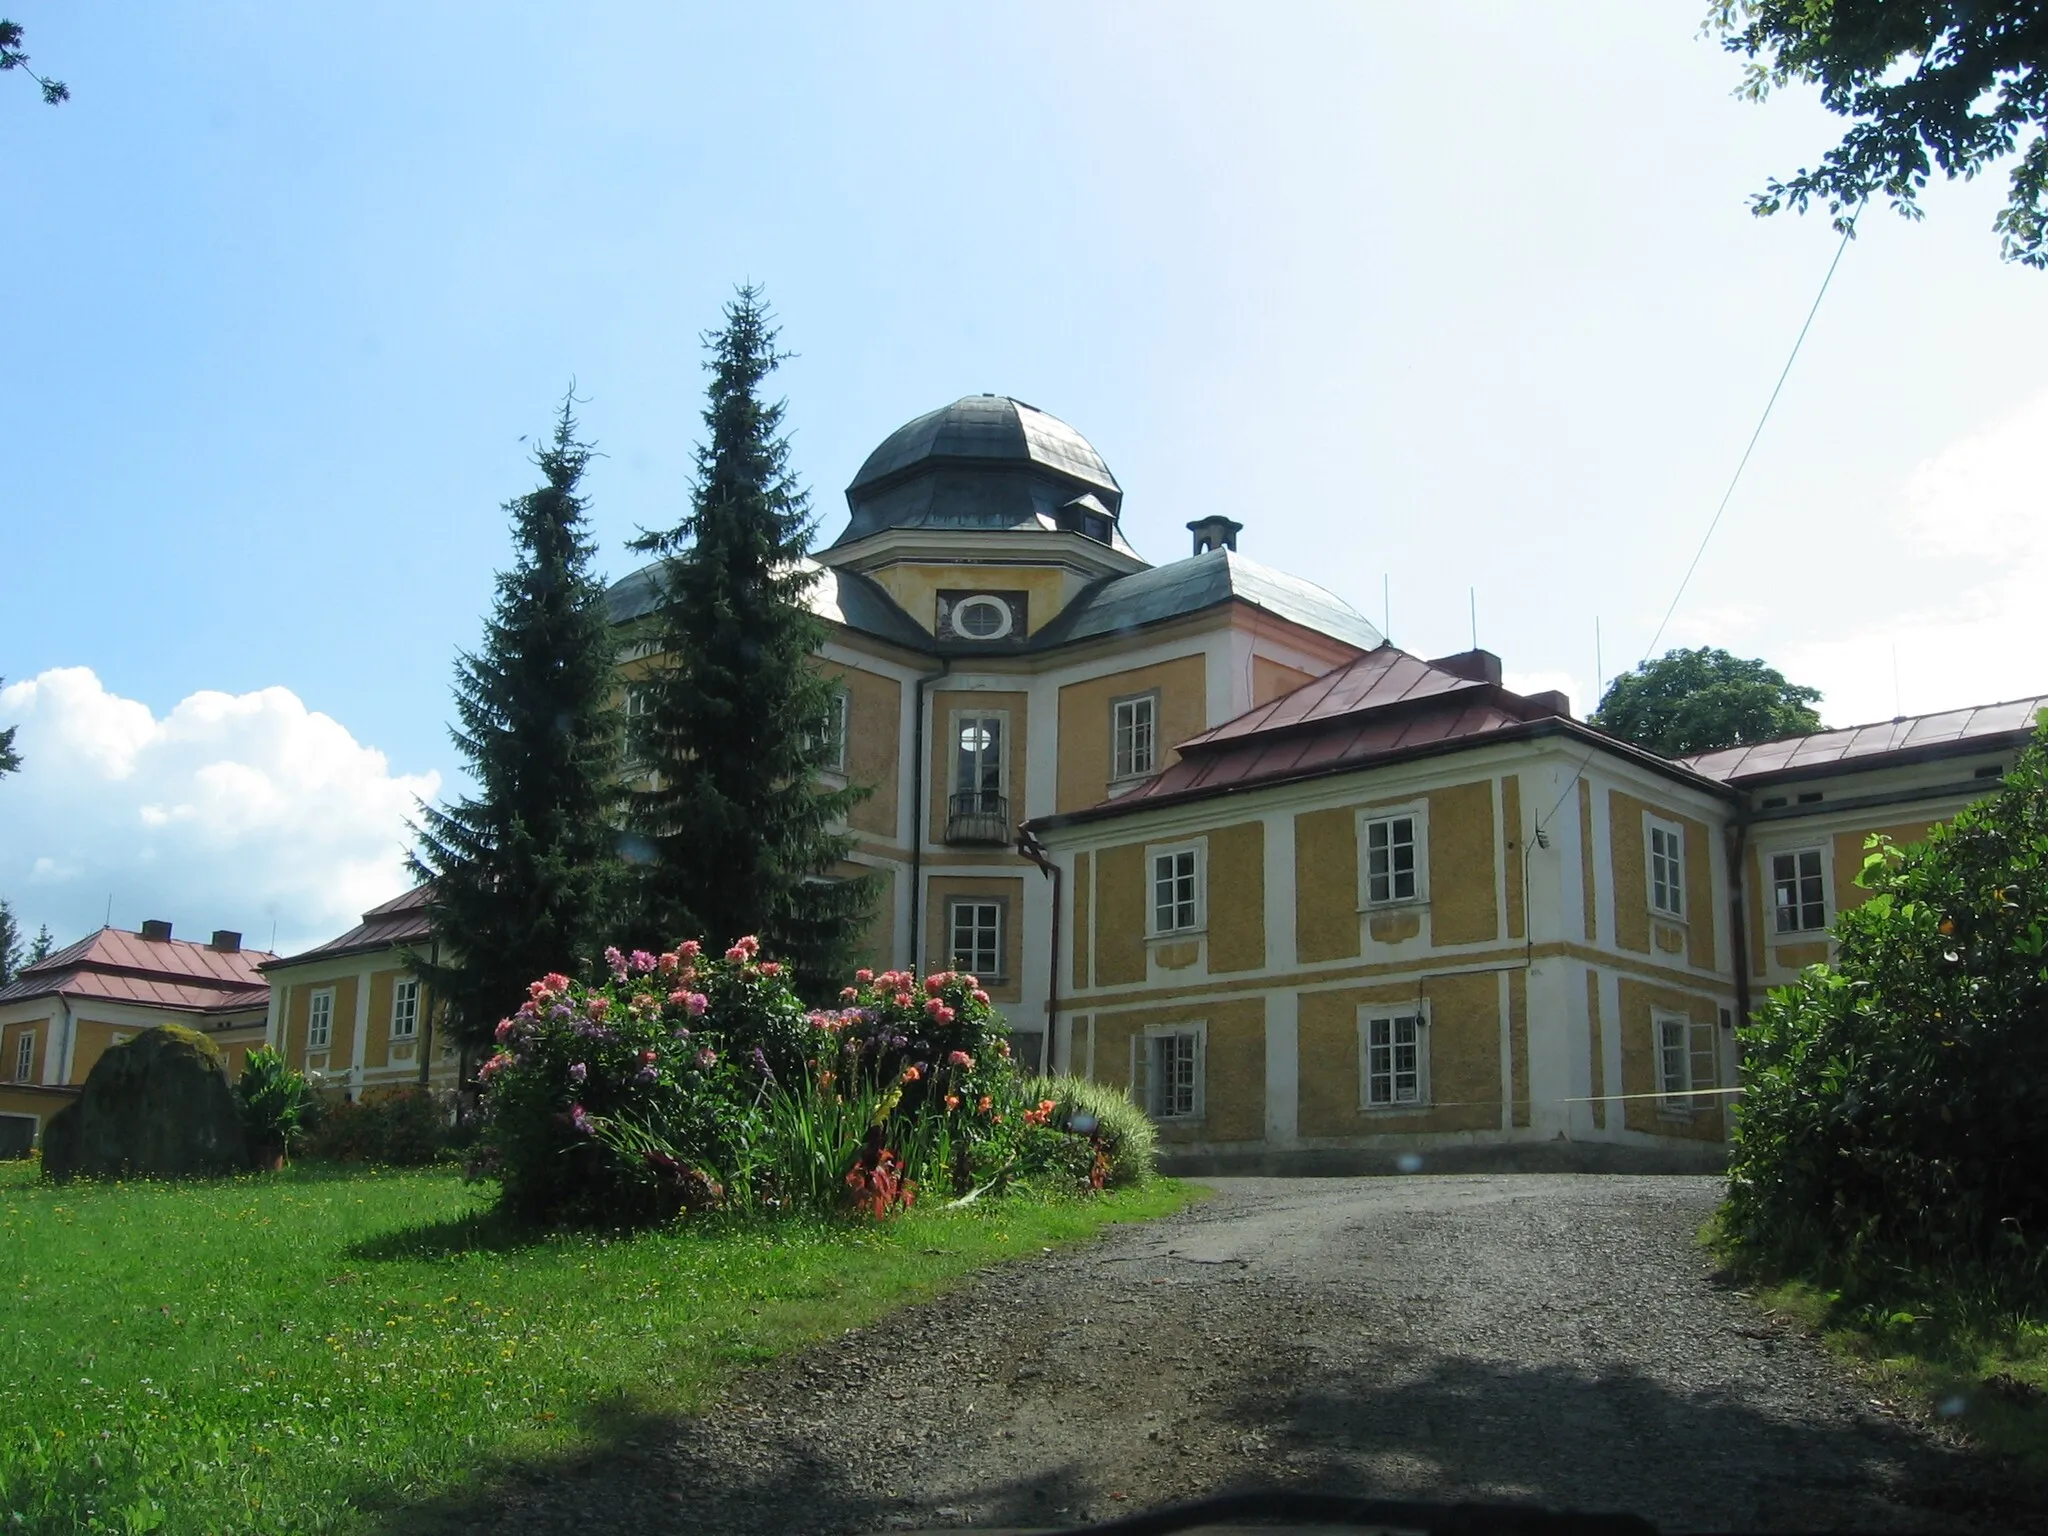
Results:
x,y
158,1106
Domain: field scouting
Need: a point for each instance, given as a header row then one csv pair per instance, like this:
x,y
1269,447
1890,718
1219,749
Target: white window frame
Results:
x,y
1004,628
405,990
1674,1090
1417,816
961,719
1674,884
320,1021
1820,858
1145,1084
1198,906
1393,1015
837,732
1125,766
638,700
999,970
25,1056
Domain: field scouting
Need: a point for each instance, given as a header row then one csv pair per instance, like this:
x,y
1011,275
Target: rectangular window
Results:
x,y
405,1009
24,1055
1390,866
1396,1061
1176,907
639,701
828,742
1667,869
1674,1059
1134,736
1168,1071
320,1021
978,938
978,758
1798,895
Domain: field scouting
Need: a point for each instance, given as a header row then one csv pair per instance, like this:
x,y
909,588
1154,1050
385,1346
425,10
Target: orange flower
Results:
x,y
984,1104
911,1074
952,1101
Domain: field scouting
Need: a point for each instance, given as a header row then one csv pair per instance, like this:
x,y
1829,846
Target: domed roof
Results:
x,y
987,427
986,462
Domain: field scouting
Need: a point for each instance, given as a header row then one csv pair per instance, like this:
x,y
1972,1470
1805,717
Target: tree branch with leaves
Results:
x,y
12,57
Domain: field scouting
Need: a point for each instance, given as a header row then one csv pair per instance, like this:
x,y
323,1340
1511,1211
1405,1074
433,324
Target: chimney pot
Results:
x,y
1215,533
156,930
1476,666
226,940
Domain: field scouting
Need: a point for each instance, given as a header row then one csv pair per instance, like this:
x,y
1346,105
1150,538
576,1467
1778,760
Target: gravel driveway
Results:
x,y
1554,1338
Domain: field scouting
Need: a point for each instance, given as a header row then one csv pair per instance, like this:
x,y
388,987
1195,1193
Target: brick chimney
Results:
x,y
156,930
226,940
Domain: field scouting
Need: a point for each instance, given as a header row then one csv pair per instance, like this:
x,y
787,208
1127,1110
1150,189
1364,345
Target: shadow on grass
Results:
x,y
487,1231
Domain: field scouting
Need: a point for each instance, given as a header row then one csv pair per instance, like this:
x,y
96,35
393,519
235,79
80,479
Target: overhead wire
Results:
x,y
1848,232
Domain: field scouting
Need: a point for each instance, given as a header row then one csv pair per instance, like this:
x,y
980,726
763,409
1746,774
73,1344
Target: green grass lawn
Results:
x,y
298,1351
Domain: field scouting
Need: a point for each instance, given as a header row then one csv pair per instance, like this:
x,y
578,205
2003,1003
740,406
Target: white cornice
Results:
x,y
1054,548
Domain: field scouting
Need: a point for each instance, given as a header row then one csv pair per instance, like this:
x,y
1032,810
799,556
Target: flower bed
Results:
x,y
687,1082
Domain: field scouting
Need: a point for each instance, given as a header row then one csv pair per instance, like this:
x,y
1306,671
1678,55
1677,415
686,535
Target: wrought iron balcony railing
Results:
x,y
978,816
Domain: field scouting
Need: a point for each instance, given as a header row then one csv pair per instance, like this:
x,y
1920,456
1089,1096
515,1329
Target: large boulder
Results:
x,y
158,1106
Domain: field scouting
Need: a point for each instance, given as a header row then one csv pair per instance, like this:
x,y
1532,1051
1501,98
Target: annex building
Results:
x,y
1314,901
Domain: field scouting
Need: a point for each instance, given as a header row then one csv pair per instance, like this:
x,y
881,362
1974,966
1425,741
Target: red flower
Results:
x,y
771,967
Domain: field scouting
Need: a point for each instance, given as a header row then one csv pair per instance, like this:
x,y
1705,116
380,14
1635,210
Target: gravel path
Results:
x,y
1549,1338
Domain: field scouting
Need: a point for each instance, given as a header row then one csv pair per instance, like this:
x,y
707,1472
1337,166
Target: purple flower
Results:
x,y
761,1064
642,962
681,1033
646,1075
579,1121
616,961
561,1013
577,1072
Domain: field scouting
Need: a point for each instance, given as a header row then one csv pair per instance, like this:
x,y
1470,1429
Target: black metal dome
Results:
x,y
985,462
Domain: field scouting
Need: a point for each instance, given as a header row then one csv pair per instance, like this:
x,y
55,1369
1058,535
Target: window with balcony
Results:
x,y
977,810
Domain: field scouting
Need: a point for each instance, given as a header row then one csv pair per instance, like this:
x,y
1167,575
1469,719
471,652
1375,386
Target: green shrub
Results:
x,y
396,1127
1107,1120
275,1103
1895,1112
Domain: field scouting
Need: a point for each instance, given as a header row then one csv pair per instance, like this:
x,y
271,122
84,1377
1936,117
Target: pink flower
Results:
x,y
863,977
736,955
771,967
935,983
689,950
960,1059
848,994
616,961
579,1119
647,1058
933,1007
556,982
494,1066
504,1031
902,999
641,961
969,982
696,1002
981,997
943,1016
668,963
540,991
597,1007
578,1072
748,945
706,1058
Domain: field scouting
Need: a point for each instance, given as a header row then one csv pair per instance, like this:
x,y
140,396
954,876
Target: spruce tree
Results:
x,y
12,952
525,872
737,832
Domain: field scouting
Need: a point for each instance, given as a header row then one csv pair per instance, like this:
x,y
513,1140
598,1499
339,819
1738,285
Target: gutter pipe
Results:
x,y
1034,850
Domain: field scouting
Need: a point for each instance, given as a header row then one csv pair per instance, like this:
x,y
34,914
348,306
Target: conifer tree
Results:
x,y
525,873
736,830
12,952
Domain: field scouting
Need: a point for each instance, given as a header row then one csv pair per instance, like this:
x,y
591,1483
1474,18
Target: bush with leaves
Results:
x,y
1895,1112
1089,1133
276,1104
397,1127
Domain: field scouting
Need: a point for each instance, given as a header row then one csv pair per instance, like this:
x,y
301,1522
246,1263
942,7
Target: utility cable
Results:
x,y
1848,232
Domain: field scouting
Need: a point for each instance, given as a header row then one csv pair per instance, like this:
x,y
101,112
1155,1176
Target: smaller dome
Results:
x,y
980,429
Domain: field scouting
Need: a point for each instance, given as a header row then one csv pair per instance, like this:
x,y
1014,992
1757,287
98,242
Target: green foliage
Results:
x,y
54,91
1107,1119
12,952
1954,84
275,1102
1895,1112
321,1350
391,1127
525,876
10,760
39,950
1694,701
734,829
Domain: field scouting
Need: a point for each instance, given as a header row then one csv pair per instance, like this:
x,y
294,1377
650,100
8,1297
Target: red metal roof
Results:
x,y
401,920
1986,727
119,966
1376,679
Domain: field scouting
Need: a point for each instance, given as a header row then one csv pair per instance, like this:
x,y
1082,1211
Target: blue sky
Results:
x,y
1447,297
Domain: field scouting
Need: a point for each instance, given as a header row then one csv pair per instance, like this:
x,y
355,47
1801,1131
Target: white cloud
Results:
x,y
1960,608
232,811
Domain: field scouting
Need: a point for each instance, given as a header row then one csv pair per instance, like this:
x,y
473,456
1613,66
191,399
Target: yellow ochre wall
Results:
x,y
1462,904
1633,920
1270,680
1326,884
1084,913
1084,755
874,733
1120,915
1234,1072
1237,897
1464,1058
10,1043
916,588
